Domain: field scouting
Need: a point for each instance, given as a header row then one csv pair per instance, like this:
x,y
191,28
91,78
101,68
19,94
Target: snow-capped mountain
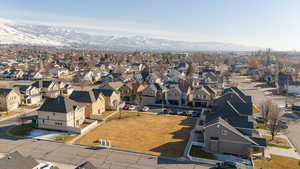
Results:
x,y
28,34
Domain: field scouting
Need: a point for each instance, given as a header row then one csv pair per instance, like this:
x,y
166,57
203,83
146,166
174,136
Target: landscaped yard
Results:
x,y
22,130
277,162
65,139
278,142
153,134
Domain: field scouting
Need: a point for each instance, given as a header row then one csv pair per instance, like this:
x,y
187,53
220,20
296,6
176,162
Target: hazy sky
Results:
x,y
261,23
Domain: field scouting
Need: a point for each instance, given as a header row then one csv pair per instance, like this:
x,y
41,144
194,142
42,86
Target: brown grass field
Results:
x,y
152,134
277,162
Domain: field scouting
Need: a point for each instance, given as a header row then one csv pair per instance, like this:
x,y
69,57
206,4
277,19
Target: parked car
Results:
x,y
126,107
145,109
46,165
183,113
226,165
132,107
283,124
167,111
196,114
260,119
173,113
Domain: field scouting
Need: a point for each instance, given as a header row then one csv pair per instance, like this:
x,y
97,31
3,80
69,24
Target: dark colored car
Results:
x,y
183,113
196,114
260,119
126,107
226,165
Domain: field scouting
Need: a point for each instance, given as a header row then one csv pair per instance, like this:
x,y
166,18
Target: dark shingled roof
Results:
x,y
59,105
45,84
5,91
16,161
86,165
224,123
239,93
105,91
229,112
83,96
260,141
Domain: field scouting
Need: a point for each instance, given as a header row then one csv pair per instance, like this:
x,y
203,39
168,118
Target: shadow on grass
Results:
x,y
176,149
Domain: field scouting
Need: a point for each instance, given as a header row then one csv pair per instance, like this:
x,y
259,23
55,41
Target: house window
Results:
x,y
224,132
53,114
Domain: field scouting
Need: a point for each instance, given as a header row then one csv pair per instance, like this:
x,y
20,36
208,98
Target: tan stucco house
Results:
x,y
95,106
61,114
112,98
10,99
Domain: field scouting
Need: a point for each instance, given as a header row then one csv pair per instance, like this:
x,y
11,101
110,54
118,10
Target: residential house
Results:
x,y
230,127
30,94
86,165
112,98
149,94
221,137
48,88
61,113
15,160
173,95
10,99
202,97
94,106
127,92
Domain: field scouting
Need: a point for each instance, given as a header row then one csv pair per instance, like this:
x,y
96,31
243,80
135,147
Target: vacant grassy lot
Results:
x,y
153,134
277,162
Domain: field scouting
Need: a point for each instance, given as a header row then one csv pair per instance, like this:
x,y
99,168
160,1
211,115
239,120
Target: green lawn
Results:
x,y
279,146
277,162
65,139
22,130
197,151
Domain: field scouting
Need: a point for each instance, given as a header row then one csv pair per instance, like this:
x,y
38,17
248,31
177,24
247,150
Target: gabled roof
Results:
x,y
230,112
83,96
5,91
60,105
105,91
86,165
224,123
16,161
239,93
209,89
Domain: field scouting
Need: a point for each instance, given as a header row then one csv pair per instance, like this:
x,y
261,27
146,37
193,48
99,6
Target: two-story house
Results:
x,y
95,106
61,114
30,94
112,98
10,99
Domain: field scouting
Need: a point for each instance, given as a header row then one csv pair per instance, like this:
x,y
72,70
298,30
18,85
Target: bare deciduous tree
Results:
x,y
274,123
266,108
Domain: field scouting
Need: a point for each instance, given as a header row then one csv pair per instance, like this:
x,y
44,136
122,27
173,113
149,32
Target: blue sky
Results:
x,y
262,23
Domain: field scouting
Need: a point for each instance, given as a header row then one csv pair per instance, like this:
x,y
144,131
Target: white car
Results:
x,y
146,109
132,107
45,165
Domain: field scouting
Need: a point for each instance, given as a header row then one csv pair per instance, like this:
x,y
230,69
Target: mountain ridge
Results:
x,y
29,34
